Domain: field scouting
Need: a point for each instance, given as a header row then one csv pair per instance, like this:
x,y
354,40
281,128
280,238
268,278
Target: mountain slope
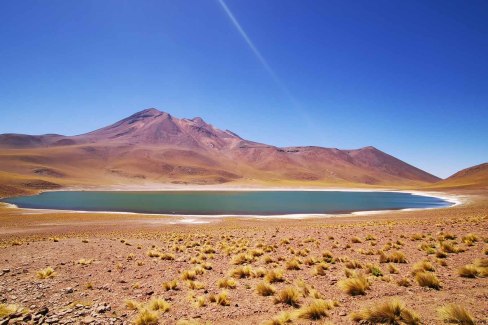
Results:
x,y
475,177
153,147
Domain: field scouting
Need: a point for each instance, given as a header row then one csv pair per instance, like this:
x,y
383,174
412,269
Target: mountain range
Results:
x,y
153,147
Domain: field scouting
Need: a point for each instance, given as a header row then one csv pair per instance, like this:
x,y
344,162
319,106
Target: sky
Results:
x,y
408,77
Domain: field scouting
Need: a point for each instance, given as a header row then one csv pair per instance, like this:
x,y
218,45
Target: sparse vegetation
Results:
x,y
356,285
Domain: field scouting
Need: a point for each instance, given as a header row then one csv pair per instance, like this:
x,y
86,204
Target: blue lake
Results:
x,y
227,202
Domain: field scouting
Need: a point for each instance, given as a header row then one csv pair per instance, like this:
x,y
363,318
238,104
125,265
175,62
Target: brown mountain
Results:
x,y
153,147
475,177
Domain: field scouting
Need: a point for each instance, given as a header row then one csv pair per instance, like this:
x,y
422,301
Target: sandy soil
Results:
x,y
117,265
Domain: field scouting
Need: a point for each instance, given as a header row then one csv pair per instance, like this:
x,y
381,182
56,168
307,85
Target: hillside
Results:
x,y
153,147
475,177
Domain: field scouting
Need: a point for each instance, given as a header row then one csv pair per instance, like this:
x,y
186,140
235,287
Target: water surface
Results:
x,y
228,202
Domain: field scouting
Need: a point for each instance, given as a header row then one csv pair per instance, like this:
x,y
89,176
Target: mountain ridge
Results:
x,y
151,146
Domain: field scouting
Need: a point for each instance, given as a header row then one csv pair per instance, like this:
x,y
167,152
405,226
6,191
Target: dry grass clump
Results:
x,y
9,309
265,289
320,269
195,285
374,270
449,247
469,239
356,240
227,283
479,268
242,259
293,264
158,304
221,299
355,285
46,273
289,295
170,285
274,275
146,317
455,314
393,269
188,275
84,261
282,319
241,272
316,310
428,279
404,282
422,266
389,312
395,257
353,264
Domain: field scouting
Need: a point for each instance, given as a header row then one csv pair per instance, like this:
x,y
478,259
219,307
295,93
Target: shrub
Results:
x,y
468,271
293,264
404,282
170,285
320,269
395,257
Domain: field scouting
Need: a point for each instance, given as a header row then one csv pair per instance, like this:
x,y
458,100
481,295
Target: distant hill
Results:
x,y
153,147
475,177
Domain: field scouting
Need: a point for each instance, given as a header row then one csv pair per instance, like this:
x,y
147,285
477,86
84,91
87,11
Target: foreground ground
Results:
x,y
113,268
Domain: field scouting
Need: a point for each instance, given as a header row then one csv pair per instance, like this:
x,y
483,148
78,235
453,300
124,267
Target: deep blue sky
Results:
x,y
408,77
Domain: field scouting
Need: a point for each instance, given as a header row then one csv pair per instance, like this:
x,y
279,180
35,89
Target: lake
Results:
x,y
227,202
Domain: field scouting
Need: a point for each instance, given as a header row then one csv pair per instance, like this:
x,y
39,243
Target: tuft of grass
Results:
x,y
393,269
84,261
241,272
353,264
316,310
132,304
390,312
222,298
468,271
320,269
356,285
356,240
46,273
404,282
395,257
422,266
453,313
293,264
282,319
265,289
146,317
227,283
170,285
274,275
9,309
428,279
158,304
188,275
288,295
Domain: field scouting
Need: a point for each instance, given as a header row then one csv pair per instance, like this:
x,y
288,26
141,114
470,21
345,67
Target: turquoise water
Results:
x,y
228,202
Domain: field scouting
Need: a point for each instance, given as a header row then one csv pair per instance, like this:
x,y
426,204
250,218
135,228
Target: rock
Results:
x,y
43,311
68,290
87,320
342,313
6,270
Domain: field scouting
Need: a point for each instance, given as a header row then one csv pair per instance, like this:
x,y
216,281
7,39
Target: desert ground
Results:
x,y
110,268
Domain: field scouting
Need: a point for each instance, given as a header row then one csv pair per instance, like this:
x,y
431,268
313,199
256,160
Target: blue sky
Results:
x,y
408,77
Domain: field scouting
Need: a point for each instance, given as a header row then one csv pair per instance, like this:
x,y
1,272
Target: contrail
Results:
x,y
267,67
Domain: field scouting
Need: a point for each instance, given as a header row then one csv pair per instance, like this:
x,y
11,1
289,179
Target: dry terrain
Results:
x,y
122,268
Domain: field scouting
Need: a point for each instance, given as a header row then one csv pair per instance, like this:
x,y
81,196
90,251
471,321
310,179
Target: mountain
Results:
x,y
153,147
475,177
